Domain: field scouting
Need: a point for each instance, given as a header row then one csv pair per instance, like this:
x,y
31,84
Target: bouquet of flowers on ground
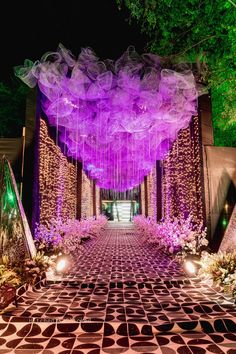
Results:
x,y
73,234
181,237
9,281
146,228
97,225
9,276
220,268
67,236
35,267
192,238
48,237
8,273
75,231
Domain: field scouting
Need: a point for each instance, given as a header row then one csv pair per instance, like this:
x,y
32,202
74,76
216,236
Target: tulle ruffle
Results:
x,y
118,117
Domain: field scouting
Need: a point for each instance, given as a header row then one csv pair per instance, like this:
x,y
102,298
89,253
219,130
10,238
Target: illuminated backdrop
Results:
x,y
57,181
87,196
152,194
182,184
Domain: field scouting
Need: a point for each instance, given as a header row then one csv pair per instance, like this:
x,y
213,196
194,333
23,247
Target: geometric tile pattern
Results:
x,y
121,296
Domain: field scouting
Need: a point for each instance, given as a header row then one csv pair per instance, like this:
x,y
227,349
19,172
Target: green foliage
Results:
x,y
199,32
33,268
8,276
27,270
12,108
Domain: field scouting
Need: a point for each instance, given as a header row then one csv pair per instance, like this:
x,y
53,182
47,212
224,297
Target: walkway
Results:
x,y
123,297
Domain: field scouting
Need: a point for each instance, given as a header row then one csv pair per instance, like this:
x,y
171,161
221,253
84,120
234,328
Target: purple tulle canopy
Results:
x,y
117,117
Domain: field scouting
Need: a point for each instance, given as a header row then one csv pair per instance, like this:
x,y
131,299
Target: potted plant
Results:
x,y
34,269
9,280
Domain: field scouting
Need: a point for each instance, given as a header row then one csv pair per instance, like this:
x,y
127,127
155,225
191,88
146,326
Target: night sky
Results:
x,y
31,28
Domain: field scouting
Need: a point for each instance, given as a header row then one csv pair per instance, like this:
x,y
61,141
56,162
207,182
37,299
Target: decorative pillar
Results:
x,y
79,190
159,190
94,199
207,139
140,201
146,196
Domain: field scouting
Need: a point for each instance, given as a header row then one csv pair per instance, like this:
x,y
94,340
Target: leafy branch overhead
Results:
x,y
12,108
200,32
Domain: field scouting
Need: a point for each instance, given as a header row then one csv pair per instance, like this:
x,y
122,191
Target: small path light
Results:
x,y
192,265
62,264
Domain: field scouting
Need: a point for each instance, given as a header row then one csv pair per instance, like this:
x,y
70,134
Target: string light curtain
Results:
x,y
98,201
152,193
57,181
87,197
182,187
117,117
142,198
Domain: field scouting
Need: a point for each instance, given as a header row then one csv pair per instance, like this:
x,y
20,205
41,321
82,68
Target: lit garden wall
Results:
x,y
86,196
152,194
98,201
57,189
142,198
182,184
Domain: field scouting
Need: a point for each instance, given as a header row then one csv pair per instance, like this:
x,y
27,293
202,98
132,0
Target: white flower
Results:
x,y
204,242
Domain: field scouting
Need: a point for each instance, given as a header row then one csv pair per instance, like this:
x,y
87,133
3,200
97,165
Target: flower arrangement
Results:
x,y
9,276
179,237
220,268
33,268
67,236
51,240
12,275
9,280
72,239
75,231
193,239
15,274
48,238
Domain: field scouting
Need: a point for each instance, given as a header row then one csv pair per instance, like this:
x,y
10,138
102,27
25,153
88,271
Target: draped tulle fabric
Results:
x,y
117,117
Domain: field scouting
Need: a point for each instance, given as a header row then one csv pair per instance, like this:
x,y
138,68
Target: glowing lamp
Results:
x,y
224,222
10,196
62,264
190,267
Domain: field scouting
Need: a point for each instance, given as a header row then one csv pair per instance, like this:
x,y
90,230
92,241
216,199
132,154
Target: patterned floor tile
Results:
x,y
122,296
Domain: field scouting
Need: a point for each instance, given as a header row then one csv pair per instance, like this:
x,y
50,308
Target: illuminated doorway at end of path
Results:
x,y
120,210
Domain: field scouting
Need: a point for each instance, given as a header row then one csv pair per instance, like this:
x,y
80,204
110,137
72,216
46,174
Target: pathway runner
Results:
x,y
123,296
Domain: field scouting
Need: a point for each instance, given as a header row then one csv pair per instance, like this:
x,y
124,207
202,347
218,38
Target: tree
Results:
x,y
201,32
12,108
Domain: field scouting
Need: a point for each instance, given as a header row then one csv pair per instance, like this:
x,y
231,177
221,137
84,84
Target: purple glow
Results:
x,y
118,117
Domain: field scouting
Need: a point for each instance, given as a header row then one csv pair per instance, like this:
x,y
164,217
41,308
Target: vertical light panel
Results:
x,y
98,202
152,193
57,181
182,188
86,197
142,197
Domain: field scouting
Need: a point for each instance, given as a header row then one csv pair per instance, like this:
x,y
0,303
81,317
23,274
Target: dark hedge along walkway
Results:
x,y
123,297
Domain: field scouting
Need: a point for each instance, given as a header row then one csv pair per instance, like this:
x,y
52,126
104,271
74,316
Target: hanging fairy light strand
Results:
x,y
57,181
152,192
140,104
182,189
